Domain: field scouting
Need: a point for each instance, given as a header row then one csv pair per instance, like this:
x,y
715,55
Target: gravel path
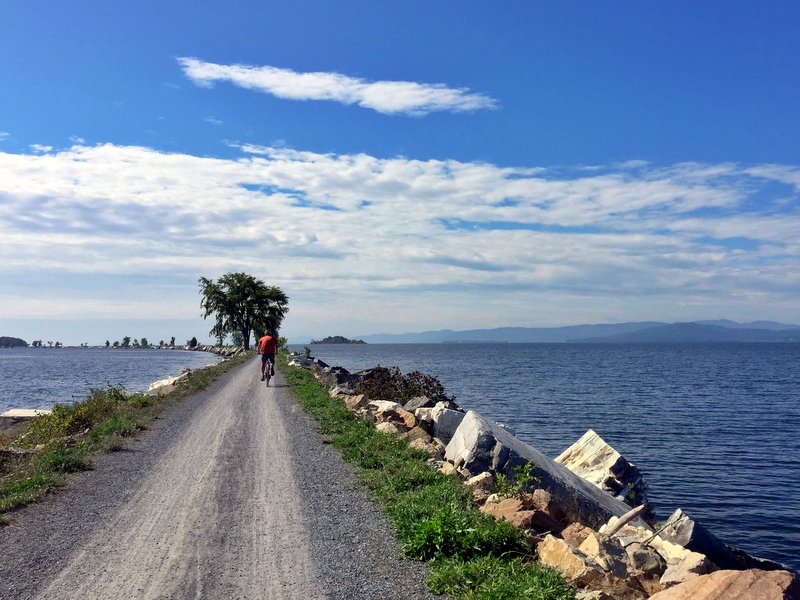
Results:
x,y
231,494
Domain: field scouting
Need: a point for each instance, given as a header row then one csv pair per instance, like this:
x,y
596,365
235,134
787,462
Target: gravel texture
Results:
x,y
231,494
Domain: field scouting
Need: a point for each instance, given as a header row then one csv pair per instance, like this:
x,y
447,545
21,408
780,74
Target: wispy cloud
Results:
x,y
442,239
4,135
388,97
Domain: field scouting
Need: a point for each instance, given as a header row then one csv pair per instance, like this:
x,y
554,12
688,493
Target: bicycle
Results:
x,y
268,371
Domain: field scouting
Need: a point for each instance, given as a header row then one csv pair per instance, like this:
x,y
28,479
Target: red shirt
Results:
x,y
267,345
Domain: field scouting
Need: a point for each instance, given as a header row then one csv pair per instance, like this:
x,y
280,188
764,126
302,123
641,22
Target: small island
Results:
x,y
12,342
337,339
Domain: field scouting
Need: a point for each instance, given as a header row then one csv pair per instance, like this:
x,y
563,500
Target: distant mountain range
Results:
x,y
717,331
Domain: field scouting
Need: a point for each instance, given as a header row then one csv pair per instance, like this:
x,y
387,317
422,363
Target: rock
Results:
x,y
736,585
570,562
431,449
448,469
341,389
630,534
594,460
535,520
607,553
409,420
388,428
418,402
417,433
338,376
504,508
483,481
681,529
165,386
644,559
353,403
544,501
445,421
403,419
592,595
484,446
377,406
575,533
693,565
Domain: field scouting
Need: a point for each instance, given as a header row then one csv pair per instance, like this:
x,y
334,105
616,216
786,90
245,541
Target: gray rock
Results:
x,y
681,529
418,402
483,446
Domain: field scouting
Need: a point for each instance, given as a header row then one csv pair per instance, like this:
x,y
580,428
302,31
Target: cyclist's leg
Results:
x,y
263,365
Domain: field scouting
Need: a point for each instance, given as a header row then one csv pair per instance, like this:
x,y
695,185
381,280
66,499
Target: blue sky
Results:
x,y
397,167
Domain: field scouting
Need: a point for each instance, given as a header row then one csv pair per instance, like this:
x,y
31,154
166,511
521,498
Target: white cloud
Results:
x,y
388,97
115,230
39,148
4,135
213,121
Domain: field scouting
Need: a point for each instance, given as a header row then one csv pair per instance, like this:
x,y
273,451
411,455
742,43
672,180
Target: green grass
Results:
x,y
65,440
471,556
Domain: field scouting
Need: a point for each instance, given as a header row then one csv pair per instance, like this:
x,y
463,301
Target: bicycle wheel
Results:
x,y
267,375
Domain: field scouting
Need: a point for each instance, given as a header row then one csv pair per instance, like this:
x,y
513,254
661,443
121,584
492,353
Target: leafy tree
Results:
x,y
108,343
116,344
240,302
172,342
126,341
192,343
144,343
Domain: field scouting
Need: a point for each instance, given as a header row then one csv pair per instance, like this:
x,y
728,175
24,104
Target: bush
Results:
x,y
391,384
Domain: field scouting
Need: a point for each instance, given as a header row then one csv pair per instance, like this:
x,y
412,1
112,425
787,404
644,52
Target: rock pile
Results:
x,y
579,519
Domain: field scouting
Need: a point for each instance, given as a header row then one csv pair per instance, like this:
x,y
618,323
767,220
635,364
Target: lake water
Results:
x,y
40,377
713,428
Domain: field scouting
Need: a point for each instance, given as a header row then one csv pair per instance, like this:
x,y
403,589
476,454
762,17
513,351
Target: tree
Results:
x,y
172,342
144,343
192,343
241,303
126,341
108,343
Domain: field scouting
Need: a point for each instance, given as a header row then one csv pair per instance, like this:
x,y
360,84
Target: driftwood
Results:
x,y
625,519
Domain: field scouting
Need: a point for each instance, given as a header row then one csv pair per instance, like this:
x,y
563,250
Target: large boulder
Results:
x,y
480,445
752,584
593,459
681,529
165,386
444,422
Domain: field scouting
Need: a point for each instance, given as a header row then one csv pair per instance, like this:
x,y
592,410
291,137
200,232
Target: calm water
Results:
x,y
713,428
39,377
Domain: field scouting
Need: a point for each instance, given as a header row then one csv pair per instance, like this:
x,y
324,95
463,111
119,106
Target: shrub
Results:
x,y
390,384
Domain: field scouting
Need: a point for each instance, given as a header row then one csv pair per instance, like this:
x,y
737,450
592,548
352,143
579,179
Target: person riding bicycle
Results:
x,y
267,347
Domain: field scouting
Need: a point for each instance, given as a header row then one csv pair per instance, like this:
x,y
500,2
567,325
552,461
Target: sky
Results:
x,y
397,167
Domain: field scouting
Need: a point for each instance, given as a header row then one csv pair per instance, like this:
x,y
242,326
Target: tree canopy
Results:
x,y
241,305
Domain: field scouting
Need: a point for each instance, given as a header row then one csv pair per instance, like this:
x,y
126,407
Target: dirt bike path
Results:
x,y
233,497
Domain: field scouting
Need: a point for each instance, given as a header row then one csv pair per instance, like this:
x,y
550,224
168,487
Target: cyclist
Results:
x,y
267,347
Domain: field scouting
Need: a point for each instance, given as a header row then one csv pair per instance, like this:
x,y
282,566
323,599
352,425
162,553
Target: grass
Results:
x,y
471,556
41,453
